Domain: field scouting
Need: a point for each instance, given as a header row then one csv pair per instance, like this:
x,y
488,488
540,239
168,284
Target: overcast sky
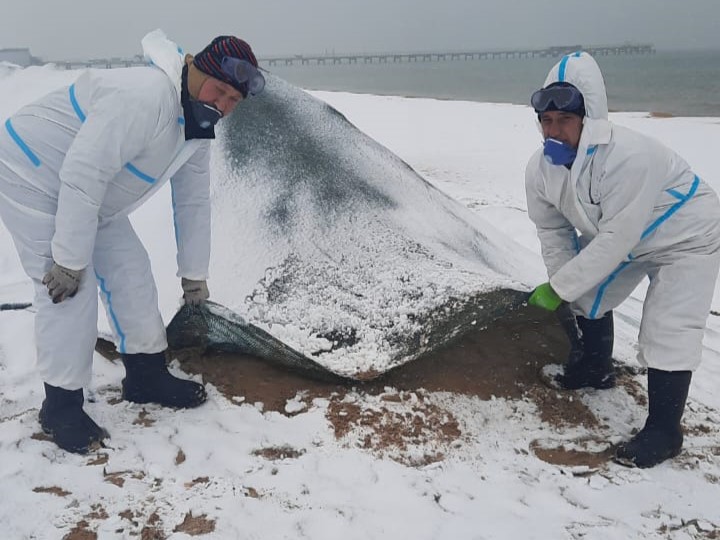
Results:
x,y
94,28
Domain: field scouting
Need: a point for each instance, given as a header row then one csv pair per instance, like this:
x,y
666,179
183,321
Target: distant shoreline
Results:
x,y
679,83
650,114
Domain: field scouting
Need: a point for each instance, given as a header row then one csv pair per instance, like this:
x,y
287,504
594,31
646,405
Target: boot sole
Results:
x,y
79,450
602,386
551,380
143,401
104,434
625,462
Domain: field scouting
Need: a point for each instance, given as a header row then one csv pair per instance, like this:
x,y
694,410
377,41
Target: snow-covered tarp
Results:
x,y
341,250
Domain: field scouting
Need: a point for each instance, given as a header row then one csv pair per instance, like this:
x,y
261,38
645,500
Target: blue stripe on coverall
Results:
x,y
101,281
113,317
563,65
24,147
683,198
81,115
174,208
75,104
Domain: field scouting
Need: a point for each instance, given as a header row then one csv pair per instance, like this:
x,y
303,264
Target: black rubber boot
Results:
x,y
662,436
147,380
590,363
63,418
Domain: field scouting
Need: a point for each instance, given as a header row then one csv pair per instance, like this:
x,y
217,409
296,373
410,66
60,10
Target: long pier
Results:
x,y
395,57
385,58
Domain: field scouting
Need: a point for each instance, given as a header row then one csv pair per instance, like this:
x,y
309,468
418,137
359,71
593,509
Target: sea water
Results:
x,y
679,83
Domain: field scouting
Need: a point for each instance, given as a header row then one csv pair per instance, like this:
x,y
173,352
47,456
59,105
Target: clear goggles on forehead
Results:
x,y
556,98
244,73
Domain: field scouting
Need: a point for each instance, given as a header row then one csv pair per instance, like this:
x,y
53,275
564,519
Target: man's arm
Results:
x,y
191,208
558,238
628,194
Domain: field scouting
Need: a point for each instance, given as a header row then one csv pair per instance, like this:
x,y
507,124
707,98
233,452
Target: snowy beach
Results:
x,y
478,467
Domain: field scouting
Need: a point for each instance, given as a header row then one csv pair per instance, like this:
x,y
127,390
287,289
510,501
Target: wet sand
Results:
x,y
503,360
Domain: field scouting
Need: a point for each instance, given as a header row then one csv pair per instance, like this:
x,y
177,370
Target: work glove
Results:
x,y
62,283
194,292
545,297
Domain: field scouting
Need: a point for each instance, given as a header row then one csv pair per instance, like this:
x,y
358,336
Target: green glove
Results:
x,y
545,297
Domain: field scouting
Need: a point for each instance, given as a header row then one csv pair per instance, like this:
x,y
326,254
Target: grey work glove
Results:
x,y
62,283
194,292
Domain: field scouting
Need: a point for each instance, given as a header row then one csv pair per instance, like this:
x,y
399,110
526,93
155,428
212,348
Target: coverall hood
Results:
x,y
165,54
581,70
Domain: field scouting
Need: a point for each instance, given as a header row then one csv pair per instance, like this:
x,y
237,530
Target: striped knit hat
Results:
x,y
208,60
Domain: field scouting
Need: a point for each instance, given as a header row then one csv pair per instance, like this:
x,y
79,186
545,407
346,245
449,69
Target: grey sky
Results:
x,y
93,28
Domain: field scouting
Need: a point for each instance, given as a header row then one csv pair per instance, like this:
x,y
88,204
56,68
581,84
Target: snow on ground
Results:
x,y
232,469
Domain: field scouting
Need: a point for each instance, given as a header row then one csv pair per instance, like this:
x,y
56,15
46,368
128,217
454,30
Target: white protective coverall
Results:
x,y
73,165
639,211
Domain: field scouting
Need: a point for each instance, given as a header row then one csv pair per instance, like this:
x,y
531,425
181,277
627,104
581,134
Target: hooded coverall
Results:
x,y
640,211
73,165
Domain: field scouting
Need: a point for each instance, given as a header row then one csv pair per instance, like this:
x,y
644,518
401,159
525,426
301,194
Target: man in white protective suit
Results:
x,y
613,206
73,165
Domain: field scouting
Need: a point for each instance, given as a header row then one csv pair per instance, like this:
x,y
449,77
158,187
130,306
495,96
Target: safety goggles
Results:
x,y
556,98
243,73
